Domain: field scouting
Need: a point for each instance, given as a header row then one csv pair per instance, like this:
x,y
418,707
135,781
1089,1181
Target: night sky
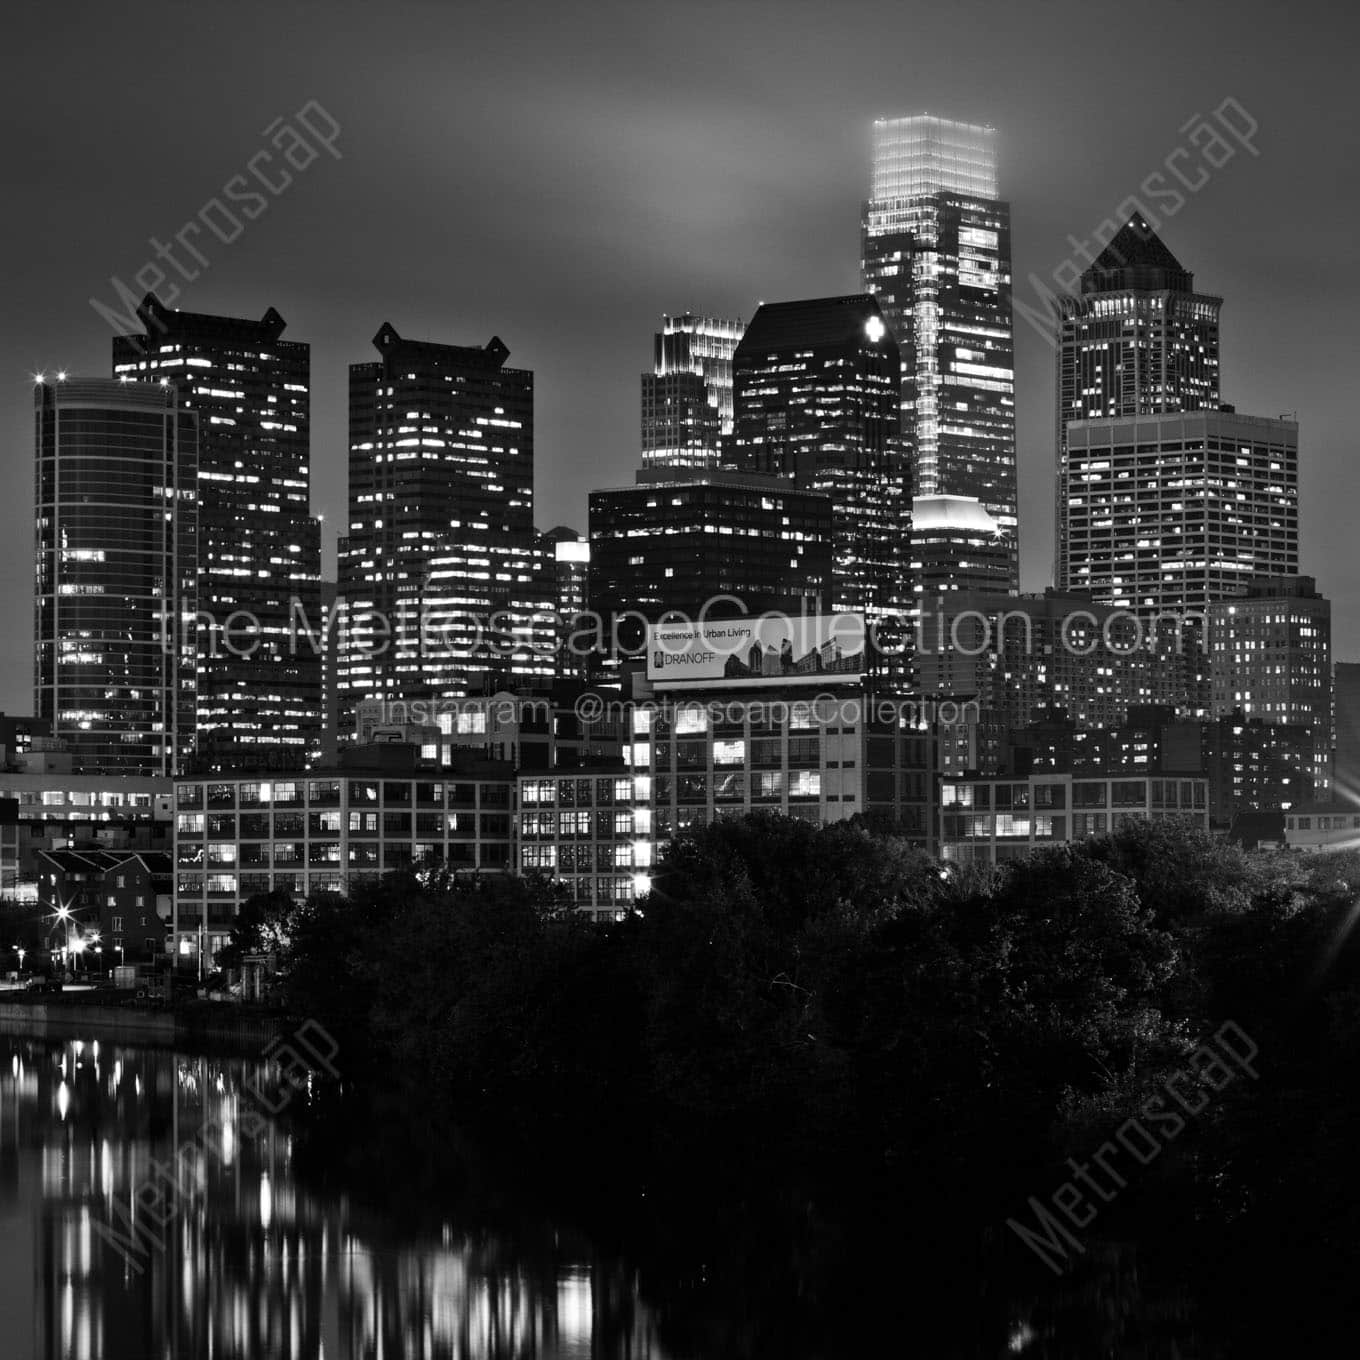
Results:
x,y
561,174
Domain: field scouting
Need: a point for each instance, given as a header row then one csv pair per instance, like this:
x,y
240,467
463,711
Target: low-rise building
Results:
x,y
317,831
1315,827
990,820
591,830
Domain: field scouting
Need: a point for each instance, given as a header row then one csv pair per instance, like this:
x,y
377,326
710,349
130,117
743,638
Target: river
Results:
x,y
147,1211
159,1205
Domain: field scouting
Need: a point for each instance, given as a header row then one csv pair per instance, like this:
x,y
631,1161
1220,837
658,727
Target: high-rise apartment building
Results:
x,y
1270,652
1137,340
1172,512
116,572
817,392
936,253
440,569
259,547
687,398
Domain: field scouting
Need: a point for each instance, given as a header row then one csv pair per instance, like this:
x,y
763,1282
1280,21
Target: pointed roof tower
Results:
x,y
1137,259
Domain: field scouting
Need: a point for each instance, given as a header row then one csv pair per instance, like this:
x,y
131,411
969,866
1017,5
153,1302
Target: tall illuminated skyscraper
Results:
x,y
259,547
116,572
936,253
441,548
1136,341
817,388
687,398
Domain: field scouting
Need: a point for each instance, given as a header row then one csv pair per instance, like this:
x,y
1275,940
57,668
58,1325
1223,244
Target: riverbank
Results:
x,y
218,1024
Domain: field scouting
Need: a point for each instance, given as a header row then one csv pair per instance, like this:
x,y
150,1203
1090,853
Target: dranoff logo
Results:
x,y
662,659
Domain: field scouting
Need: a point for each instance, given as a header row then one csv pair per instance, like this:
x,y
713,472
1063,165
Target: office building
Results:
x,y
116,568
309,832
687,398
591,831
1136,340
936,253
258,684
817,393
1270,656
565,561
778,714
677,541
956,544
1174,512
990,821
439,567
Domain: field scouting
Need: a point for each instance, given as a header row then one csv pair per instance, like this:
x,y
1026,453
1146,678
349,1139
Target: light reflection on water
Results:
x,y
253,1264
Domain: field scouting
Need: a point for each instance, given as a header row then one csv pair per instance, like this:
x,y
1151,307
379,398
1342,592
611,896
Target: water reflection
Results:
x,y
146,1211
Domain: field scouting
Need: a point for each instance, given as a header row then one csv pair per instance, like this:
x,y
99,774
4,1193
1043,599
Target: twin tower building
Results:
x,y
844,453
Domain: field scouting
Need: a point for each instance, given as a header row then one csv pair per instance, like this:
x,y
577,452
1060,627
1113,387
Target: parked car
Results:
x,y
43,984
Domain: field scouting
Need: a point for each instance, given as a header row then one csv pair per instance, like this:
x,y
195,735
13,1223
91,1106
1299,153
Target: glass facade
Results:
x,y
441,546
258,684
817,401
116,568
672,542
687,399
936,253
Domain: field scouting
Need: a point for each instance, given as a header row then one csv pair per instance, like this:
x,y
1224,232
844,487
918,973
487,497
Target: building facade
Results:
x,y
936,253
440,567
677,541
316,832
687,398
591,830
1173,512
1136,340
1271,658
957,545
116,569
1320,827
258,685
817,401
990,821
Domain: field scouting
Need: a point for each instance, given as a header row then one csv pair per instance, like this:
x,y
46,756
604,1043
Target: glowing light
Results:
x,y
875,329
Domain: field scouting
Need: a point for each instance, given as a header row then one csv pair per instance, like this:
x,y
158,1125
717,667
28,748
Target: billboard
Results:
x,y
774,649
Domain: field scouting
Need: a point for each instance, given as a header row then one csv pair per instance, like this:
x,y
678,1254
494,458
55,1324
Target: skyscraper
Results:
x,y
817,400
1136,341
936,253
679,541
1172,512
957,545
259,548
116,568
687,398
441,521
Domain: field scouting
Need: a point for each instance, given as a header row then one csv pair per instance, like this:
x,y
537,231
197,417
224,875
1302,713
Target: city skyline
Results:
x,y
1286,313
